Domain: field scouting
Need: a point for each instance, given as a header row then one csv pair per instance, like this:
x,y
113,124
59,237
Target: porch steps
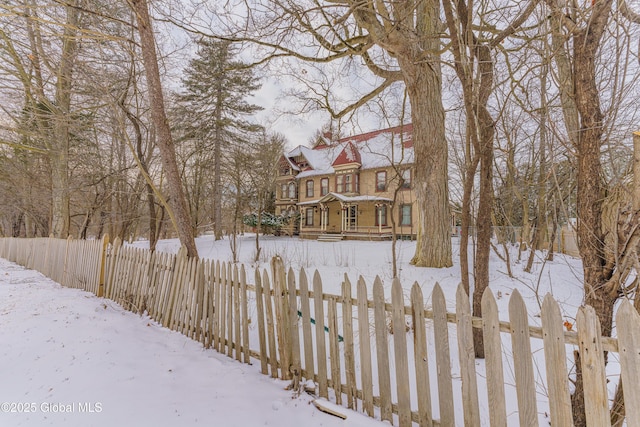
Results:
x,y
330,237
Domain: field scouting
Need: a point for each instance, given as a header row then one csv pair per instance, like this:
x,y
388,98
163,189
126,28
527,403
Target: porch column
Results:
x,y
325,214
321,218
343,217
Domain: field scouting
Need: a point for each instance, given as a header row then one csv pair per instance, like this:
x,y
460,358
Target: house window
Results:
x,y
283,191
381,215
405,214
324,186
310,188
339,183
292,190
308,216
406,178
381,181
348,185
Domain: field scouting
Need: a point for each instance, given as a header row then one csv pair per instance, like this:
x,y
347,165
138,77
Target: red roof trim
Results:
x,y
349,154
366,136
406,128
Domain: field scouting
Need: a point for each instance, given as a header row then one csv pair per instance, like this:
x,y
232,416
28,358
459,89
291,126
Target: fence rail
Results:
x,y
390,356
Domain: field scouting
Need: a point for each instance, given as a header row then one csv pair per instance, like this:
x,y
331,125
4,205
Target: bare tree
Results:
x,y
262,174
397,42
474,66
179,212
578,33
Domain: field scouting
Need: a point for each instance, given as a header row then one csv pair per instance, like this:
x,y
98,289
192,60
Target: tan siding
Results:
x,y
366,210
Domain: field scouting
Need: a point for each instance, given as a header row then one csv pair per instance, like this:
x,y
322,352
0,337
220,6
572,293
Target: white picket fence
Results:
x,y
389,357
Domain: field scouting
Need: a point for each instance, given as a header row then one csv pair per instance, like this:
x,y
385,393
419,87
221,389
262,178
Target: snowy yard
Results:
x,y
561,277
70,359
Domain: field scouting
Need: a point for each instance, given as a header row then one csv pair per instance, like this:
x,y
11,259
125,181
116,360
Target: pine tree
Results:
x,y
214,113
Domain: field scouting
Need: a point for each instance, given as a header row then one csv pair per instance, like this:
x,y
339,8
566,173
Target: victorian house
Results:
x,y
351,187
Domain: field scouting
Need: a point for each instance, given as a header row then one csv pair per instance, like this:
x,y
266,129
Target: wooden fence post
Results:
x,y
555,354
382,348
283,329
65,271
628,326
262,339
273,353
296,368
334,349
400,352
307,338
222,305
244,307
347,332
231,284
365,348
102,261
493,360
523,366
443,358
423,391
237,329
596,400
470,404
321,347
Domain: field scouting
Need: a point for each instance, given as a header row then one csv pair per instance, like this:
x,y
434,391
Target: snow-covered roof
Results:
x,y
290,162
372,150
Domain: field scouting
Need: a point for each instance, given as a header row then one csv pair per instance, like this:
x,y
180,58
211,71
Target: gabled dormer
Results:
x,y
323,141
302,162
287,167
298,157
348,158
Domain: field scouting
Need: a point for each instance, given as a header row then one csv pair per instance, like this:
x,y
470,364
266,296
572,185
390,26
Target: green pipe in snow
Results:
x,y
326,329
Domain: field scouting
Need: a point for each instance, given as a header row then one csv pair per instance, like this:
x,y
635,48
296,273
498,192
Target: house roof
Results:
x,y
287,161
370,150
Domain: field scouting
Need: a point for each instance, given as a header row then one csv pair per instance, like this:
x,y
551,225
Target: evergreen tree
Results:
x,y
213,114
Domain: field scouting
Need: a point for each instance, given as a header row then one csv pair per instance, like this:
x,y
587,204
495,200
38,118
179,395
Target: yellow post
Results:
x,y
65,271
102,259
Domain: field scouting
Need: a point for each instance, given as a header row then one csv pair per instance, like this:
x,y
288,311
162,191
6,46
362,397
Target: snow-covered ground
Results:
x,y
561,277
68,358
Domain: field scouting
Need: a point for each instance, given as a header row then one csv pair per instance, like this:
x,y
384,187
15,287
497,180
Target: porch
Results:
x,y
351,217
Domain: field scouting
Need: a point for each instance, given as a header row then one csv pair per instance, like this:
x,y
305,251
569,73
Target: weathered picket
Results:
x,y
376,353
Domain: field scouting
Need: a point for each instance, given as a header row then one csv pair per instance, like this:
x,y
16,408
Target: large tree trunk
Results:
x,y
589,179
59,154
423,81
588,141
416,45
217,169
60,215
433,248
483,220
177,201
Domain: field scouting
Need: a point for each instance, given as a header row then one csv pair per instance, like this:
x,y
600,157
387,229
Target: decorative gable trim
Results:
x,y
348,156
